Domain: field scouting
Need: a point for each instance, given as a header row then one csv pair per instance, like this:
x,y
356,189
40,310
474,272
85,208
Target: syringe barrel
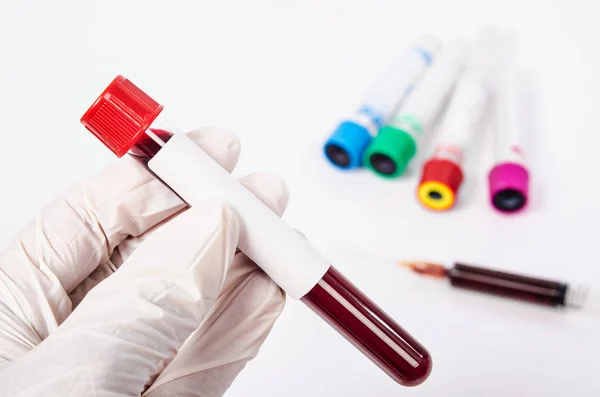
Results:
x,y
396,144
515,286
345,146
127,120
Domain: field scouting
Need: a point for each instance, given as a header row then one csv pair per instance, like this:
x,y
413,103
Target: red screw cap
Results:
x,y
439,184
120,115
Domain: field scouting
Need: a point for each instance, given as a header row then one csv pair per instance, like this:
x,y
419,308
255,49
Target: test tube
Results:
x,y
396,143
508,180
443,174
346,146
127,120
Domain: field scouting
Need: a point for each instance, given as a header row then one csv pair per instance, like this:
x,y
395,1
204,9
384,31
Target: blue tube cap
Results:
x,y
346,146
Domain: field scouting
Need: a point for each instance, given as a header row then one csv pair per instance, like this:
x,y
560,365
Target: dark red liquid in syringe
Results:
x,y
346,309
515,286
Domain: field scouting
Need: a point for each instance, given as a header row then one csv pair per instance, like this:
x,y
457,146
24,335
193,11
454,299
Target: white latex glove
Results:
x,y
181,316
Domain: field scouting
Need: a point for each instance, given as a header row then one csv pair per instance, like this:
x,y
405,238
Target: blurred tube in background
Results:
x,y
509,178
525,288
443,173
396,143
346,145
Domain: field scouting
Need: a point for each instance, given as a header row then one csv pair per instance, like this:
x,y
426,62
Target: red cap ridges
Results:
x,y
120,115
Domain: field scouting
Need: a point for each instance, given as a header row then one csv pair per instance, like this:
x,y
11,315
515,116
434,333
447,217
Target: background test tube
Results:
x,y
442,174
396,143
508,179
127,120
346,145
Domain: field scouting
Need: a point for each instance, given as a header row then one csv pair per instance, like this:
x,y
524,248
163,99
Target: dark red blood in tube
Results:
x,y
145,148
346,309
372,331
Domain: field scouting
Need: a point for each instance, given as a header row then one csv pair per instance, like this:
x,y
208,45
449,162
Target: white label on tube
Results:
x,y
429,96
278,249
395,85
362,119
466,108
507,142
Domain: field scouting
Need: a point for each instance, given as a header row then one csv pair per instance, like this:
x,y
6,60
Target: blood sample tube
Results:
x,y
126,120
508,180
346,146
510,285
442,174
396,143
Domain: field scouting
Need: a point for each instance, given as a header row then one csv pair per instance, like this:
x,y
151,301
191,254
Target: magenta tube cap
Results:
x,y
509,187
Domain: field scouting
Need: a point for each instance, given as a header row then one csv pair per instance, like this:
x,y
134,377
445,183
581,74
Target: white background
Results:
x,y
281,74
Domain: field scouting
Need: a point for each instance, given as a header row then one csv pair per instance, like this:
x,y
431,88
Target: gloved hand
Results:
x,y
117,289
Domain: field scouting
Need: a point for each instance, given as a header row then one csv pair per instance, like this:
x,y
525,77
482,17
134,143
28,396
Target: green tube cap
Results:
x,y
389,152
